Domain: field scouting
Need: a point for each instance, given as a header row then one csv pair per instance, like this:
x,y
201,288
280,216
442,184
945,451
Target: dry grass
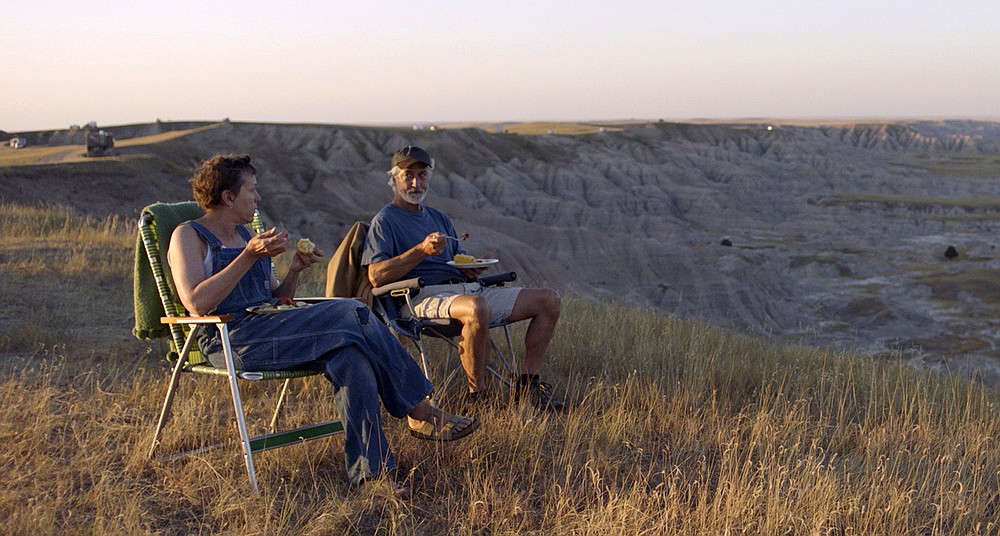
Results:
x,y
28,156
538,128
162,137
678,428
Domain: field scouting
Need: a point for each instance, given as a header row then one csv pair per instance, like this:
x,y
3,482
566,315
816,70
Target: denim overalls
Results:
x,y
356,352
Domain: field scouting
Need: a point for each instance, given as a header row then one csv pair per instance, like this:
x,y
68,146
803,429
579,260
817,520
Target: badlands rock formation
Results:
x,y
829,235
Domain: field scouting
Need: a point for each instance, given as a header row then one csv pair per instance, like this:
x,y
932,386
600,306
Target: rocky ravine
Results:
x,y
826,235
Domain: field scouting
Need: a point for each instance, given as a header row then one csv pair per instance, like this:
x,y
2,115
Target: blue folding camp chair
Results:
x,y
159,313
393,304
346,278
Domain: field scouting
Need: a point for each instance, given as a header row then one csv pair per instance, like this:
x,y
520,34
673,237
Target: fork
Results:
x,y
464,236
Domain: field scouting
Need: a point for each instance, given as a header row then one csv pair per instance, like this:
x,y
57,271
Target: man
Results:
x,y
409,239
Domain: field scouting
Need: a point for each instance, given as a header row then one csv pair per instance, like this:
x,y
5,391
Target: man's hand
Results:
x,y
473,273
433,244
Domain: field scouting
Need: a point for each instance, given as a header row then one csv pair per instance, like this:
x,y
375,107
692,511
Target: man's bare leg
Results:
x,y
542,306
474,314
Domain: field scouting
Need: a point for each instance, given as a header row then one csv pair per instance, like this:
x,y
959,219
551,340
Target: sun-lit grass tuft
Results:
x,y
163,136
41,154
45,240
537,128
676,428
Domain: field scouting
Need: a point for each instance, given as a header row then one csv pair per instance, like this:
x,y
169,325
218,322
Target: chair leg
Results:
x,y
175,378
447,381
443,387
241,421
277,409
503,358
167,402
423,357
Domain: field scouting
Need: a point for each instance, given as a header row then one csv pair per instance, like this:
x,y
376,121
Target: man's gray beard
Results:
x,y
412,198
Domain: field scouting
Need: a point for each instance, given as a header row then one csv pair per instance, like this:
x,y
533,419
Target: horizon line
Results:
x,y
790,120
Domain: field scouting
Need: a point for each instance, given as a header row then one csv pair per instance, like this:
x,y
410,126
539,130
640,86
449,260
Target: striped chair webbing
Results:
x,y
258,227
171,308
178,333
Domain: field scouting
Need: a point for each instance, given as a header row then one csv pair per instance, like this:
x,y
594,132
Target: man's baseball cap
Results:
x,y
407,156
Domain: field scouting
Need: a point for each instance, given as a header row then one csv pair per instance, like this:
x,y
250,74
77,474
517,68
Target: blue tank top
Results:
x,y
254,287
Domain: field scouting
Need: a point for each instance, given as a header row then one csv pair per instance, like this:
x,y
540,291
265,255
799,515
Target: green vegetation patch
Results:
x,y
980,166
951,345
916,202
981,283
867,307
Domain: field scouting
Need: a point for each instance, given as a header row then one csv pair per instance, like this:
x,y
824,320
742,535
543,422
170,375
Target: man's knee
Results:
x,y
552,300
471,309
546,302
536,303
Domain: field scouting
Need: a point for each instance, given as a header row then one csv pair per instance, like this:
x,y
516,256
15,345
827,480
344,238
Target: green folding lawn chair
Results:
x,y
159,313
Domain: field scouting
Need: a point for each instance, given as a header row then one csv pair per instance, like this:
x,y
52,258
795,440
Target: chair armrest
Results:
x,y
319,299
213,319
497,280
416,282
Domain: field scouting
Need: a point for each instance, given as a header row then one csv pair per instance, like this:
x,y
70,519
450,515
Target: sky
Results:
x,y
400,62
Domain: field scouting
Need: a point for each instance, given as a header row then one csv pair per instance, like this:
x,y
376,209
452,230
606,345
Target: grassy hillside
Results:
x,y
677,428
814,232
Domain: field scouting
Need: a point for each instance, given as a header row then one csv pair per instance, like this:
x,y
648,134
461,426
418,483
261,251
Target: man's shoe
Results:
x,y
539,393
477,401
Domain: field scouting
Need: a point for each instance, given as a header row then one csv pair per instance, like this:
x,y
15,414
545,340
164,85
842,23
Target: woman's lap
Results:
x,y
340,337
295,337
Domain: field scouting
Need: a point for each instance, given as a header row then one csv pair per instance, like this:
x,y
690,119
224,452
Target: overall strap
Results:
x,y
244,232
211,239
205,234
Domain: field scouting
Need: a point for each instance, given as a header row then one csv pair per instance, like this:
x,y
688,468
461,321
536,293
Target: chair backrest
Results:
x,y
155,295
345,276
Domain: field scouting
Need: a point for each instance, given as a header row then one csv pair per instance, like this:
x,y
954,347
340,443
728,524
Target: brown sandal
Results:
x,y
436,429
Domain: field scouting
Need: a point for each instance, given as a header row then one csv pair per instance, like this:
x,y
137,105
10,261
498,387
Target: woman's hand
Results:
x,y
269,243
301,261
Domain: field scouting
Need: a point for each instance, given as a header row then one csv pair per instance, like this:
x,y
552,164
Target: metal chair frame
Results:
x,y
390,298
183,332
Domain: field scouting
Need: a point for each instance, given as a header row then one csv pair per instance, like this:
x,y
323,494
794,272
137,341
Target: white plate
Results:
x,y
269,309
477,264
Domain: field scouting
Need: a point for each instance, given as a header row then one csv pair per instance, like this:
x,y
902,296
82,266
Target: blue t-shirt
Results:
x,y
395,230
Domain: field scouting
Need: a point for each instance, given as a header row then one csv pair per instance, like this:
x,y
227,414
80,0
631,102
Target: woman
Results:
x,y
219,267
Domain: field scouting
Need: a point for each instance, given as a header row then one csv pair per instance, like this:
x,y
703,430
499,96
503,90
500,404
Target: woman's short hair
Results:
x,y
216,175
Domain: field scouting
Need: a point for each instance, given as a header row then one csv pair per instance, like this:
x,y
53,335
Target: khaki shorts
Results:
x,y
434,301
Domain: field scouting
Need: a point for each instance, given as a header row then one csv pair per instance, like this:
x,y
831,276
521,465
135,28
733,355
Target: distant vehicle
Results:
x,y
100,143
18,143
